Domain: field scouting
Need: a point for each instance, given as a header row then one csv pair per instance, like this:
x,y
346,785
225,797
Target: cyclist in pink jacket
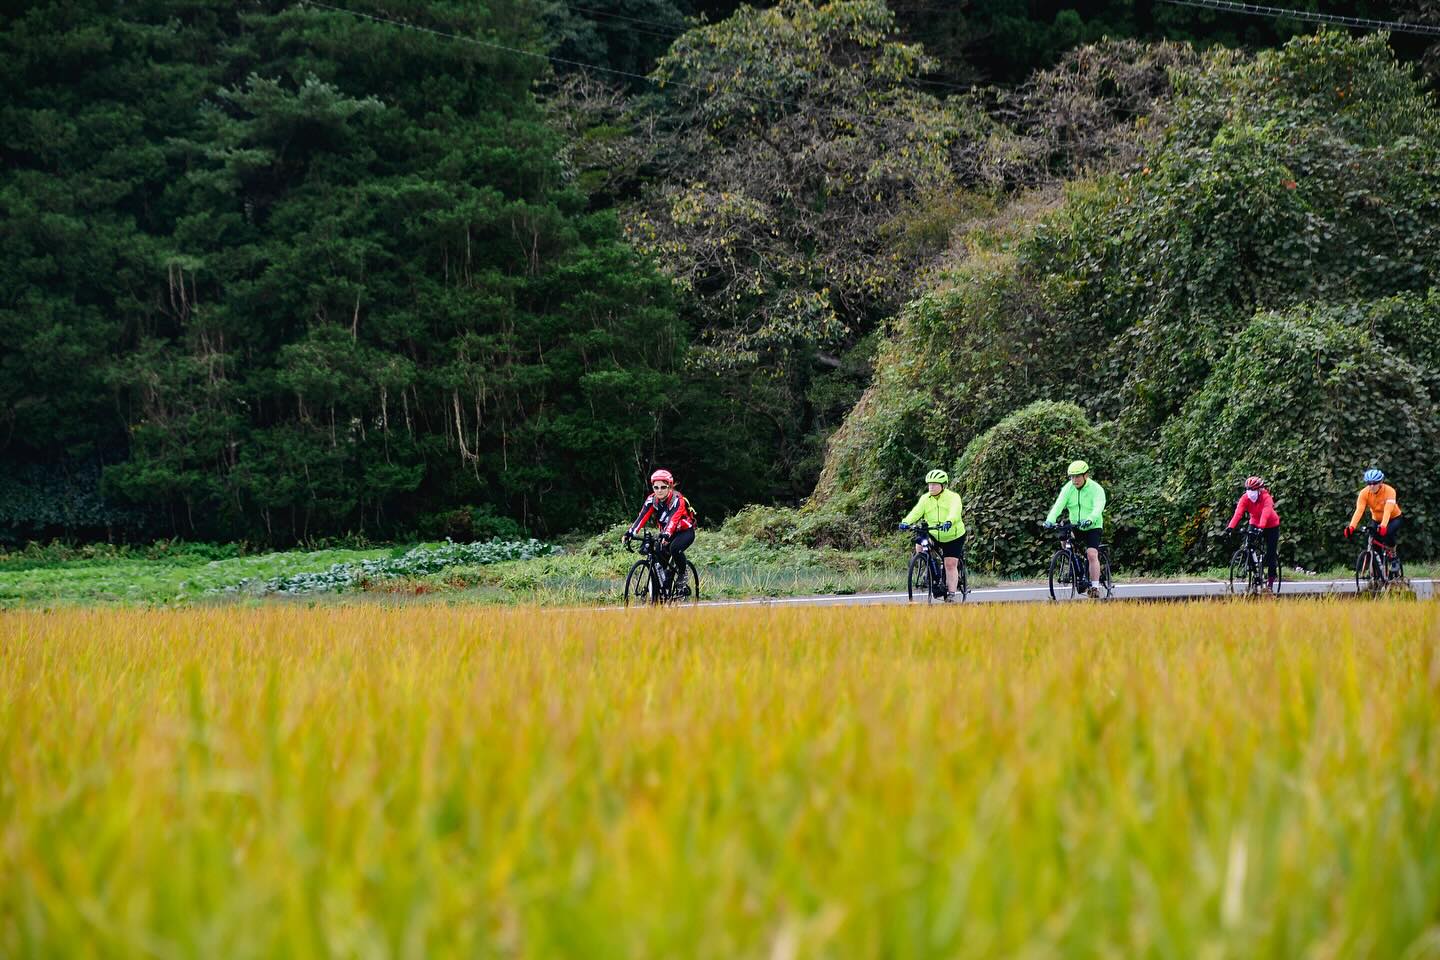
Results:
x,y
1260,506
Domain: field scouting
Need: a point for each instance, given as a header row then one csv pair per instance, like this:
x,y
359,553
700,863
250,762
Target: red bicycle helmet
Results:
x,y
665,475
1253,483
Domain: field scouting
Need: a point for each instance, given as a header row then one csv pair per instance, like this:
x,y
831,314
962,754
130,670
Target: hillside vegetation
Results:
x,y
1254,295
284,274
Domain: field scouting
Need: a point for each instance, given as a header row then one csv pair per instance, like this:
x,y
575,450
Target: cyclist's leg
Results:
x,y
678,545
1391,533
1272,554
1092,553
952,552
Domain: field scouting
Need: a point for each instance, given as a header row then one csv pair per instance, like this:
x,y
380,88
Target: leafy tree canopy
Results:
x,y
287,272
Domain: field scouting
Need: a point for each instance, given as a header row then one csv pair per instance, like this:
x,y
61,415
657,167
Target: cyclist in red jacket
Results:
x,y
1260,506
672,515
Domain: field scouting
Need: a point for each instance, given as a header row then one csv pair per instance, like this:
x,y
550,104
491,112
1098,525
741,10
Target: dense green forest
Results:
x,y
282,271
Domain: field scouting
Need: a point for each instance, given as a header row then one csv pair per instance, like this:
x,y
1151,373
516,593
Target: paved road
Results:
x,y
1424,589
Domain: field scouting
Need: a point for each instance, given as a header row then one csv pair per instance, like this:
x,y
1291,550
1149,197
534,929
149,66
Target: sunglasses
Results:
x,y
660,486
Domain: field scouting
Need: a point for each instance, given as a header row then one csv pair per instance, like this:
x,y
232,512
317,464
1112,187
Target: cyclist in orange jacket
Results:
x,y
1380,498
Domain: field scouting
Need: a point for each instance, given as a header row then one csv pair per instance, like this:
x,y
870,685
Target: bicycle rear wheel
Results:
x,y
1106,581
1062,576
640,584
687,588
963,582
919,578
693,581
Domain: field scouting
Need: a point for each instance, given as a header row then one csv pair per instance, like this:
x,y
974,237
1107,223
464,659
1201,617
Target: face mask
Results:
x,y
1253,495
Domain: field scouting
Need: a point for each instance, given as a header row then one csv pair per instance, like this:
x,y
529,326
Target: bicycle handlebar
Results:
x,y
646,542
923,527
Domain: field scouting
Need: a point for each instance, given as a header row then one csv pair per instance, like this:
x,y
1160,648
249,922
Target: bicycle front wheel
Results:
x,y
641,585
1367,578
1062,577
963,583
1239,573
919,578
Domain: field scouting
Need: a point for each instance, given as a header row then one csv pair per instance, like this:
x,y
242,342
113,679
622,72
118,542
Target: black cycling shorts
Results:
x,y
1090,538
953,548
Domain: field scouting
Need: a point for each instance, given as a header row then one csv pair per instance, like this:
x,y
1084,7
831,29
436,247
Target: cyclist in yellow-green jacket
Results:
x,y
1085,501
943,513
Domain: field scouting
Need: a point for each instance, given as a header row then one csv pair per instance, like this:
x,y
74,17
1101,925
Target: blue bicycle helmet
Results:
x,y
1374,476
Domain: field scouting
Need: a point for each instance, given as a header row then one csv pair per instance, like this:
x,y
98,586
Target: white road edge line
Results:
x,y
840,598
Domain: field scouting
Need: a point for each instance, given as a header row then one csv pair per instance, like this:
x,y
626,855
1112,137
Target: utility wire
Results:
x,y
1230,6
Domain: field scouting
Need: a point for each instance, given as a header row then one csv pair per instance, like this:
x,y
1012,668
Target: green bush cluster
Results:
x,y
1257,294
1308,398
418,562
43,500
1009,475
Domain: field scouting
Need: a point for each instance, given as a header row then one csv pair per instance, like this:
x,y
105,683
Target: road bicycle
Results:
x,y
1378,567
927,567
1247,564
1070,568
656,579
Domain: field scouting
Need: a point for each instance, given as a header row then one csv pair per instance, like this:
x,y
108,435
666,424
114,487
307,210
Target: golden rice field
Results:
x,y
1124,781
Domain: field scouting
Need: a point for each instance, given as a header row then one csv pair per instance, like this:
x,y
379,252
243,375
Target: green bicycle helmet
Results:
x,y
937,476
1078,467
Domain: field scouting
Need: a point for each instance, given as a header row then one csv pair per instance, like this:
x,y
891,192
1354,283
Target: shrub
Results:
x,y
418,562
1309,175
1308,398
1009,475
768,525
469,524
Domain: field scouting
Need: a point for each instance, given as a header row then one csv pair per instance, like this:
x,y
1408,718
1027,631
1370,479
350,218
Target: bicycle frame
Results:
x,y
663,570
1374,562
1079,562
925,545
1251,553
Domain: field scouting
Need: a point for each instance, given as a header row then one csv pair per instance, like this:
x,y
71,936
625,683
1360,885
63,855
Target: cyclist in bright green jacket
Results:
x,y
943,513
1085,500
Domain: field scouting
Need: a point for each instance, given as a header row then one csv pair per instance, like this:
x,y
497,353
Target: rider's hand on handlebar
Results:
x,y
1084,524
904,526
1384,529
946,525
1048,524
1348,531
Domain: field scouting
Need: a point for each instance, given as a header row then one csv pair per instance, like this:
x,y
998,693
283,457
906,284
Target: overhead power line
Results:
x,y
1230,6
